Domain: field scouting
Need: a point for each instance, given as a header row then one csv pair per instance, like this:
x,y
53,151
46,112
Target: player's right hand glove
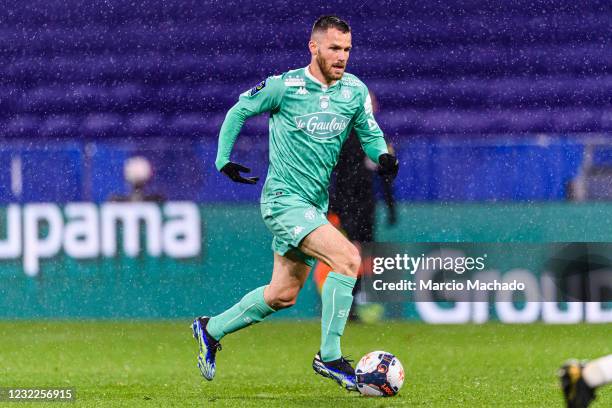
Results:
x,y
232,170
389,165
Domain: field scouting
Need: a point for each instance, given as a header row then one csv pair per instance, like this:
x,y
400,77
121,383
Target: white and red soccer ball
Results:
x,y
379,374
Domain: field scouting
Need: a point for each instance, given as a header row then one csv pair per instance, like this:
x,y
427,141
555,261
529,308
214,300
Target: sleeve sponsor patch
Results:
x,y
351,82
257,87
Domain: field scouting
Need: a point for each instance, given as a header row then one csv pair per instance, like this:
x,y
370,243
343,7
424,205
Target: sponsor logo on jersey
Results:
x,y
370,111
346,93
367,105
302,91
292,81
372,124
350,82
258,87
322,125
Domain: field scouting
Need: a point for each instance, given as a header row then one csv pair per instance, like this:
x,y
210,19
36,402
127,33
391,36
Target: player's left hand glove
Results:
x,y
389,165
232,170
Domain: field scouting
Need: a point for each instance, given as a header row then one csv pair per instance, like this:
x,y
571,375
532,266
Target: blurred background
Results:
x,y
500,113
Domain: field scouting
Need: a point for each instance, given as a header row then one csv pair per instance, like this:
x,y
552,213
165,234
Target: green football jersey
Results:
x,y
309,122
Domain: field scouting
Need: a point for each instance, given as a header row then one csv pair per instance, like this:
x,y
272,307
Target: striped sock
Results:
x,y
251,309
337,298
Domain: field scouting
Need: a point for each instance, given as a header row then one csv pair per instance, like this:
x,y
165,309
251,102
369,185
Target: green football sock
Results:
x,y
337,298
251,309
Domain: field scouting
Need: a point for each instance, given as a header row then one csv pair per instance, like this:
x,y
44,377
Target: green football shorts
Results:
x,y
290,219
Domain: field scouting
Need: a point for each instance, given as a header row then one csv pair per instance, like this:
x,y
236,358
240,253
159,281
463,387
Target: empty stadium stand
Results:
x,y
82,73
159,68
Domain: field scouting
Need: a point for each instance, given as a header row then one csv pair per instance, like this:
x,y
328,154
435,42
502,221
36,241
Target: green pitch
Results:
x,y
154,364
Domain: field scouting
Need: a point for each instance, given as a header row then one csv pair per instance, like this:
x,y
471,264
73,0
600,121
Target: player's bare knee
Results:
x,y
349,263
283,298
283,302
354,262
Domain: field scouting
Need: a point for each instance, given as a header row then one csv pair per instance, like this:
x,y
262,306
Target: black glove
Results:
x,y
388,165
232,170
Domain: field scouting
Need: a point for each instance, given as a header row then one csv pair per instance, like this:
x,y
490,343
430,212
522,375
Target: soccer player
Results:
x,y
580,379
312,110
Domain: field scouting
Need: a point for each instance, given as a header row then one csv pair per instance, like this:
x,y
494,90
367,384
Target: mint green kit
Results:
x,y
290,219
309,123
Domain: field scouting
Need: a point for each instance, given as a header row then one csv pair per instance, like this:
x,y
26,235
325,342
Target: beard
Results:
x,y
327,70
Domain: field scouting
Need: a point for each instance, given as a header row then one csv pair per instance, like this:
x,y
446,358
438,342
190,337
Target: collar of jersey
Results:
x,y
316,81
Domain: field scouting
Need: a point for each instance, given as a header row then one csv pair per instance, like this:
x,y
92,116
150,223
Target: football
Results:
x,y
379,374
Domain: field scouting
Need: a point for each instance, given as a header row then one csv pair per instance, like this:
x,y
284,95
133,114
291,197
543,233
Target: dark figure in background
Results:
x,y
352,204
354,201
353,195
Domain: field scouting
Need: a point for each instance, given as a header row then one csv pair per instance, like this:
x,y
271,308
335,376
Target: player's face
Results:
x,y
332,53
